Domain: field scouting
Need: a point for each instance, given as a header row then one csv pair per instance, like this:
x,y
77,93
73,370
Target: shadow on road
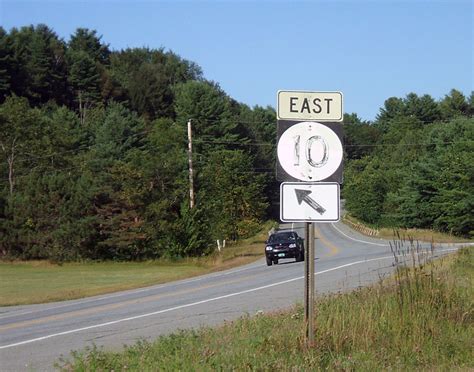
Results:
x,y
293,262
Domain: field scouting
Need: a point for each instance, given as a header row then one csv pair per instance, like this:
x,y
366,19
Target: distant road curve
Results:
x,y
34,337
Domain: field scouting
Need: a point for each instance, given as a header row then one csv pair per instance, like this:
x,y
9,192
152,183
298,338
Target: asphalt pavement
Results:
x,y
34,337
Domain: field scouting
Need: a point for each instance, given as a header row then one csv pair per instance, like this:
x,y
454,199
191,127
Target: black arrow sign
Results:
x,y
303,196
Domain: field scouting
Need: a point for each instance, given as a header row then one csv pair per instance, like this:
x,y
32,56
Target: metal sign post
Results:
x,y
312,247
307,227
310,164
309,283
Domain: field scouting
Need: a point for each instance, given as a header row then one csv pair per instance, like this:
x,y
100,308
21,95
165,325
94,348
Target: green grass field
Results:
x,y
420,319
37,282
41,281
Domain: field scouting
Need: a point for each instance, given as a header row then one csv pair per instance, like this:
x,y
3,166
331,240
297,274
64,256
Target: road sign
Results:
x,y
309,202
309,151
303,105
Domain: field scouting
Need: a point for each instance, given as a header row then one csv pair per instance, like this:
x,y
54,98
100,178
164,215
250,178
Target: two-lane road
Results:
x,y
34,337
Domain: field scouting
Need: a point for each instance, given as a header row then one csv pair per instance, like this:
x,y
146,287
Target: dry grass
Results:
x,y
415,234
41,281
423,319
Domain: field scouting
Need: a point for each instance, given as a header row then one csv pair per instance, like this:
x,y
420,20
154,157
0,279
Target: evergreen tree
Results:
x,y
365,189
424,108
454,104
20,134
40,67
148,78
84,79
471,105
87,41
231,193
360,137
117,134
6,66
165,192
420,174
209,108
150,92
393,109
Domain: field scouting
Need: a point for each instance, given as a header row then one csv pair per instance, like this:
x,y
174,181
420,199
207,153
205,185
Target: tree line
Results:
x,y
93,150
415,168
93,155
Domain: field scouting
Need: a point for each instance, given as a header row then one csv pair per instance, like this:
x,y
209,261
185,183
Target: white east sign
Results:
x,y
309,202
303,105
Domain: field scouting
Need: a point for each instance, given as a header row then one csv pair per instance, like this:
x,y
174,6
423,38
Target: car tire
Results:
x,y
299,256
275,261
269,262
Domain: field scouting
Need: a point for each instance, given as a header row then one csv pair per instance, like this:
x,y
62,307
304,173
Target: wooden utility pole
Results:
x,y
190,160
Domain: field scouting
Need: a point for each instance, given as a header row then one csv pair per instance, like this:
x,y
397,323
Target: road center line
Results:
x,y
102,308
327,243
198,302
185,306
130,291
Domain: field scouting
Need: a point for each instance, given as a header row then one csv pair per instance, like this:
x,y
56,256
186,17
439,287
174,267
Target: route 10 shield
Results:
x,y
309,151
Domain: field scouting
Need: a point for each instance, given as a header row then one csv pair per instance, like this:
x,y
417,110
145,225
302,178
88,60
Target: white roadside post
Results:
x,y
310,164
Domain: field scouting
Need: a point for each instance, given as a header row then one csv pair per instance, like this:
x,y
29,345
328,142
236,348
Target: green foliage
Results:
x,y
93,155
365,189
21,134
146,78
87,41
208,107
53,217
418,110
439,191
6,64
231,194
359,137
105,176
84,76
39,69
454,104
150,92
420,173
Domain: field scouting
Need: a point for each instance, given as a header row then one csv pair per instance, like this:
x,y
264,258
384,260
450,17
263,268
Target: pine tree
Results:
x,y
84,79
5,64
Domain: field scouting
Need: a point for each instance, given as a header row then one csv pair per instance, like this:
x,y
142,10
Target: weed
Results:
x,y
422,319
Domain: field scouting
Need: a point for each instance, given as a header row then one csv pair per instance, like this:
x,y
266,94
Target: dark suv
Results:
x,y
284,244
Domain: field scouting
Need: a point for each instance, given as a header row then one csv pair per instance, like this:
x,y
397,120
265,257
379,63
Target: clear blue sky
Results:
x,y
369,50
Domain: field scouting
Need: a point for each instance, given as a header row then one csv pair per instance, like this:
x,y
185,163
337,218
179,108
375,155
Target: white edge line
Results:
x,y
184,306
195,303
357,240
387,245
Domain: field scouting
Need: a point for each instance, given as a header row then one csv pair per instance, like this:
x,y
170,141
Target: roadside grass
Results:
x,y
33,282
415,234
420,319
